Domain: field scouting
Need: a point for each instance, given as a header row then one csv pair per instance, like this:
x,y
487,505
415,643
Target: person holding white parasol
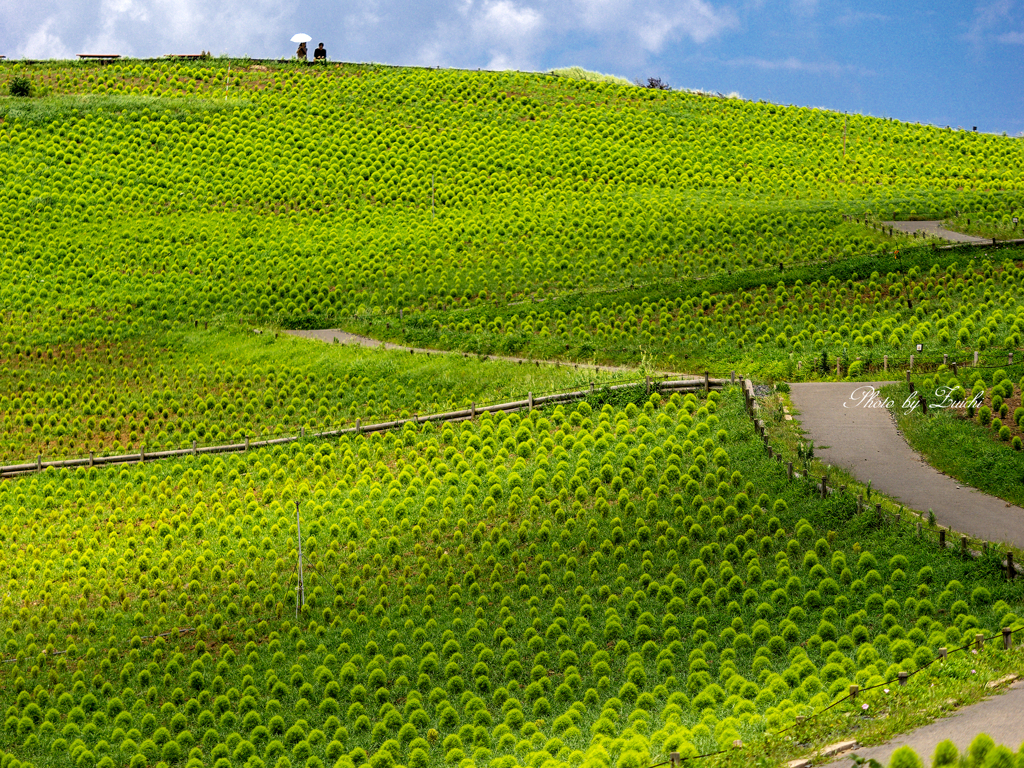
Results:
x,y
301,39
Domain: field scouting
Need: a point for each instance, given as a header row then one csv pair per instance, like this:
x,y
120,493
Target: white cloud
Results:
x,y
695,19
524,34
990,16
43,38
146,27
602,15
508,33
654,24
804,7
1011,38
854,18
793,64
501,34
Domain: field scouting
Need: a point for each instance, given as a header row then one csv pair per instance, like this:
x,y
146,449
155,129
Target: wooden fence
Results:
x,y
692,385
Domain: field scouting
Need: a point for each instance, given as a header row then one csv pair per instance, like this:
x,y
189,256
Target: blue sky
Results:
x,y
946,63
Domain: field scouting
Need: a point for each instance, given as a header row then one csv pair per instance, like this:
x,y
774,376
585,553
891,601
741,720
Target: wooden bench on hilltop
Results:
x,y
102,58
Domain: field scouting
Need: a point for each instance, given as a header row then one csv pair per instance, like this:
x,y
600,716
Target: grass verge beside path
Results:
x,y
166,389
961,449
883,713
761,339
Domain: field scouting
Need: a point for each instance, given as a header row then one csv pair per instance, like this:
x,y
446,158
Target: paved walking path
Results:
x,y
330,335
848,433
934,229
999,717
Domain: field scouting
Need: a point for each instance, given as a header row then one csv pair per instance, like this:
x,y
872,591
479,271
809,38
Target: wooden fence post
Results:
x,y
942,538
301,586
1011,572
1007,638
789,470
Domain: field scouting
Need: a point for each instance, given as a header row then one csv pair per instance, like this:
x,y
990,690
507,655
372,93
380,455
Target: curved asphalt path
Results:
x,y
999,717
858,434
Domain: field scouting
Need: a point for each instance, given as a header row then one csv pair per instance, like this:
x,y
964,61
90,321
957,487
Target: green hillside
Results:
x,y
164,192
597,584
592,585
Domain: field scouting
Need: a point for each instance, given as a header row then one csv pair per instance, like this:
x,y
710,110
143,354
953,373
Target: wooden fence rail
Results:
x,y
705,383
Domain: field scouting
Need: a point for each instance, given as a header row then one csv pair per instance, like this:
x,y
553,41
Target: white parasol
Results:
x,y
301,38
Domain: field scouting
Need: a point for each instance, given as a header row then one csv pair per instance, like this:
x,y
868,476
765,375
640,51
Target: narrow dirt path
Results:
x,y
934,229
330,335
851,430
999,717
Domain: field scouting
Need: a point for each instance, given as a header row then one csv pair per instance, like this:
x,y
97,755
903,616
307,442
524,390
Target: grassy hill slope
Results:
x,y
601,584
592,585
159,192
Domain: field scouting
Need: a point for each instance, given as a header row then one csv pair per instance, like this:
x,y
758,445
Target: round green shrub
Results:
x,y
19,86
905,757
946,754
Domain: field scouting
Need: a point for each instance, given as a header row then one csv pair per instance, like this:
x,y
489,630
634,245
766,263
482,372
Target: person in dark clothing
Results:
x,y
320,54
301,53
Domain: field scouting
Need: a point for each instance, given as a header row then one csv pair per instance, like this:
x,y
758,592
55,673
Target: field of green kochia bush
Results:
x,y
959,305
151,194
983,751
222,386
595,585
601,584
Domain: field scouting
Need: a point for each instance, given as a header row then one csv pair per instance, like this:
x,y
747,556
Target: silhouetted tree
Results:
x,y
655,82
